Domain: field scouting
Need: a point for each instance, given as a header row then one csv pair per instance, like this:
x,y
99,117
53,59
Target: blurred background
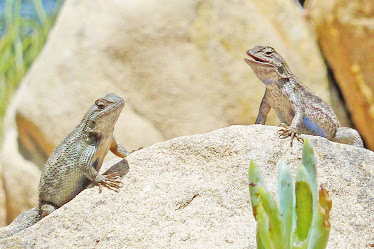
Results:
x,y
178,64
24,29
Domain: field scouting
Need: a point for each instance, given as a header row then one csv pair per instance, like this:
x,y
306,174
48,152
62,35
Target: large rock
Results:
x,y
178,64
20,179
345,30
192,192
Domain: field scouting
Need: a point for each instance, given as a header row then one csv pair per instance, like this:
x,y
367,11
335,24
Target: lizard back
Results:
x,y
61,178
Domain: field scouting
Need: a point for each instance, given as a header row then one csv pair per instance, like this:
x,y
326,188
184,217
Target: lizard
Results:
x,y
299,110
76,162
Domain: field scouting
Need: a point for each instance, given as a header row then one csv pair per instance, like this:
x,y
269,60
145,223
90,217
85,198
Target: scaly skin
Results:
x,y
75,163
299,110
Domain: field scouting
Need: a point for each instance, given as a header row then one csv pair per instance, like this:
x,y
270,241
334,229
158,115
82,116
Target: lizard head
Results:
x,y
103,115
268,65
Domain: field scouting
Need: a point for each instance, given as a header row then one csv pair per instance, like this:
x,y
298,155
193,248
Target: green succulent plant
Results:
x,y
302,219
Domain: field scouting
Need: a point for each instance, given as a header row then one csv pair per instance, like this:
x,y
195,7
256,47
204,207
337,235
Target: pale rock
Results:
x,y
178,64
192,192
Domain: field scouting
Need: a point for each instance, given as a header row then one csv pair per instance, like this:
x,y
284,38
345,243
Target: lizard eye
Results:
x,y
100,104
280,70
268,52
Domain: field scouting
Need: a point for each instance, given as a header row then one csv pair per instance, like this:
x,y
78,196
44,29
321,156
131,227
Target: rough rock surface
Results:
x,y
178,64
345,30
192,192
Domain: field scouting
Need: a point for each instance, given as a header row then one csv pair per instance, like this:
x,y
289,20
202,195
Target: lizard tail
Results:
x,y
348,135
23,221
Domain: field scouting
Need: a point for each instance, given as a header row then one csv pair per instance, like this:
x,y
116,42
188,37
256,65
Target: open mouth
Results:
x,y
254,59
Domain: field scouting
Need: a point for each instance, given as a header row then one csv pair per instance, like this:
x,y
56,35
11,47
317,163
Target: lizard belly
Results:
x,y
319,119
281,106
285,117
313,128
102,149
312,124
307,127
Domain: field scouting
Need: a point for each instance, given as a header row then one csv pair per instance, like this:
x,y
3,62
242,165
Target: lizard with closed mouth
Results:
x,y
299,110
76,162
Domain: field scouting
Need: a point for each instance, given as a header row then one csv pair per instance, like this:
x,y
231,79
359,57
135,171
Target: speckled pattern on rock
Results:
x,y
192,192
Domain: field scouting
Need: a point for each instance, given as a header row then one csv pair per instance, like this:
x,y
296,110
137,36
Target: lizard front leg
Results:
x,y
86,164
263,110
291,131
117,149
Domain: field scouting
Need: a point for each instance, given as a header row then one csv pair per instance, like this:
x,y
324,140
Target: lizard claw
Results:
x,y
289,131
111,181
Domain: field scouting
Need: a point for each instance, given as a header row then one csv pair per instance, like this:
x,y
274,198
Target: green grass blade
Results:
x,y
8,12
41,12
20,44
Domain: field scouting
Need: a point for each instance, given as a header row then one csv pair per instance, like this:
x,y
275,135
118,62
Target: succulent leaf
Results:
x,y
275,222
304,204
309,162
255,178
321,229
286,200
263,234
302,220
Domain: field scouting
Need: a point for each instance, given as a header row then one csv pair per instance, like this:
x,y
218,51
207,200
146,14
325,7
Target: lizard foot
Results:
x,y
289,131
111,181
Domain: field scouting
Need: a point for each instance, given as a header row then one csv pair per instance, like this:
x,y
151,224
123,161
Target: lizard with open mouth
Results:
x,y
299,110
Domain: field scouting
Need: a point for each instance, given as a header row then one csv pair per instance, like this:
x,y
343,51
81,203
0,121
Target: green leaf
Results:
x,y
322,226
304,206
275,222
263,235
286,199
259,241
255,178
309,162
302,220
